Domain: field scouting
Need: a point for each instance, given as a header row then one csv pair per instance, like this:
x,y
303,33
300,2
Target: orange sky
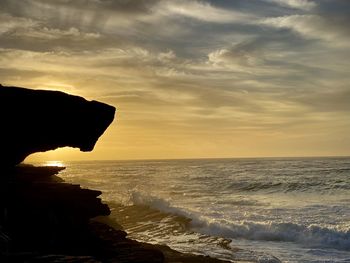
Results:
x,y
191,79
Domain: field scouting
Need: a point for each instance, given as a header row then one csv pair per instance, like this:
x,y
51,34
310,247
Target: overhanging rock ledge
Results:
x,y
41,120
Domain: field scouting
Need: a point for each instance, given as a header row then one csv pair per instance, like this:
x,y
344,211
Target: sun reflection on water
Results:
x,y
54,163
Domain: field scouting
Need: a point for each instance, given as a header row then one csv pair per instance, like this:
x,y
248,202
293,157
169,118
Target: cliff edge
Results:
x,y
41,120
42,218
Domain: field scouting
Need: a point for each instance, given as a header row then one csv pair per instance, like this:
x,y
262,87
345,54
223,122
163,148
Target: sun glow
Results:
x,y
54,163
55,85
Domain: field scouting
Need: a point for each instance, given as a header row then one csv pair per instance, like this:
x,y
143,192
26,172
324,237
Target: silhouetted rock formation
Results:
x,y
42,218
44,214
41,120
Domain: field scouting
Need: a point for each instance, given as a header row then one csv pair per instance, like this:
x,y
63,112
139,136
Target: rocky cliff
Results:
x,y
41,120
42,218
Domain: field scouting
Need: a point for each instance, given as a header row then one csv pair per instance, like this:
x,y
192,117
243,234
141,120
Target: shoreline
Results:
x,y
44,219
134,251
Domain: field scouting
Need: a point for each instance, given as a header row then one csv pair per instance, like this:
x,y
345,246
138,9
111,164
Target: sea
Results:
x,y
240,210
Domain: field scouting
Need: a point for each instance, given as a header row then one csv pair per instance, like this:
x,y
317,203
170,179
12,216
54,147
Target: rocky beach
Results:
x,y
43,218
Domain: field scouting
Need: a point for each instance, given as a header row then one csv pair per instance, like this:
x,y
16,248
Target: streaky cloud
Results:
x,y
306,5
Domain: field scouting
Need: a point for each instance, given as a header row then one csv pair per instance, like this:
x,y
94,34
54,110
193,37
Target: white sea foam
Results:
x,y
289,208
139,198
311,236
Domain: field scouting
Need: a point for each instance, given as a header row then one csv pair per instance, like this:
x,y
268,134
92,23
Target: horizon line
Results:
x,y
196,158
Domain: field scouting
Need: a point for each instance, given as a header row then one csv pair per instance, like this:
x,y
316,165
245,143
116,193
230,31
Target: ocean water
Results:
x,y
255,210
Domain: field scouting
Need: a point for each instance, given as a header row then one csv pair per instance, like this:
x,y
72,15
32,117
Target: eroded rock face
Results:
x,y
40,120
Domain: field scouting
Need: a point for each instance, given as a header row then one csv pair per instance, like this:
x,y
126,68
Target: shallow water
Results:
x,y
297,210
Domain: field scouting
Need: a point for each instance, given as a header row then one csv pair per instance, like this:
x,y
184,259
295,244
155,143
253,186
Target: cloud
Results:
x,y
195,68
12,24
67,8
87,15
244,54
329,29
45,33
333,100
201,11
298,4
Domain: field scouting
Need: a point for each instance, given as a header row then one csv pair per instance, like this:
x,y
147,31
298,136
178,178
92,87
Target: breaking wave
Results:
x,y
313,236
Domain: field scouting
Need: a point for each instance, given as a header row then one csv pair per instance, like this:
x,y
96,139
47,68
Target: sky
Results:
x,y
191,79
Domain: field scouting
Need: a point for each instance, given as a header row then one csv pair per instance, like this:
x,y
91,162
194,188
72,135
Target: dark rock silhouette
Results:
x,y
41,120
42,218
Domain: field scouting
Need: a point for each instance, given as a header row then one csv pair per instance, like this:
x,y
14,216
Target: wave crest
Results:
x,y
313,236
310,236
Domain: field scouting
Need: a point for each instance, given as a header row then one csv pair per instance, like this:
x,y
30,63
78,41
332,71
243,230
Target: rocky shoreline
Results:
x,y
44,219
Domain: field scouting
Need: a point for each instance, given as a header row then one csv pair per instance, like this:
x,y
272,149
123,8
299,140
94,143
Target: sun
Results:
x,y
54,163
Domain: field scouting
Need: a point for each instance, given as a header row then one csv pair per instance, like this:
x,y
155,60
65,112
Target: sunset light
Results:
x,y
54,163
175,131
